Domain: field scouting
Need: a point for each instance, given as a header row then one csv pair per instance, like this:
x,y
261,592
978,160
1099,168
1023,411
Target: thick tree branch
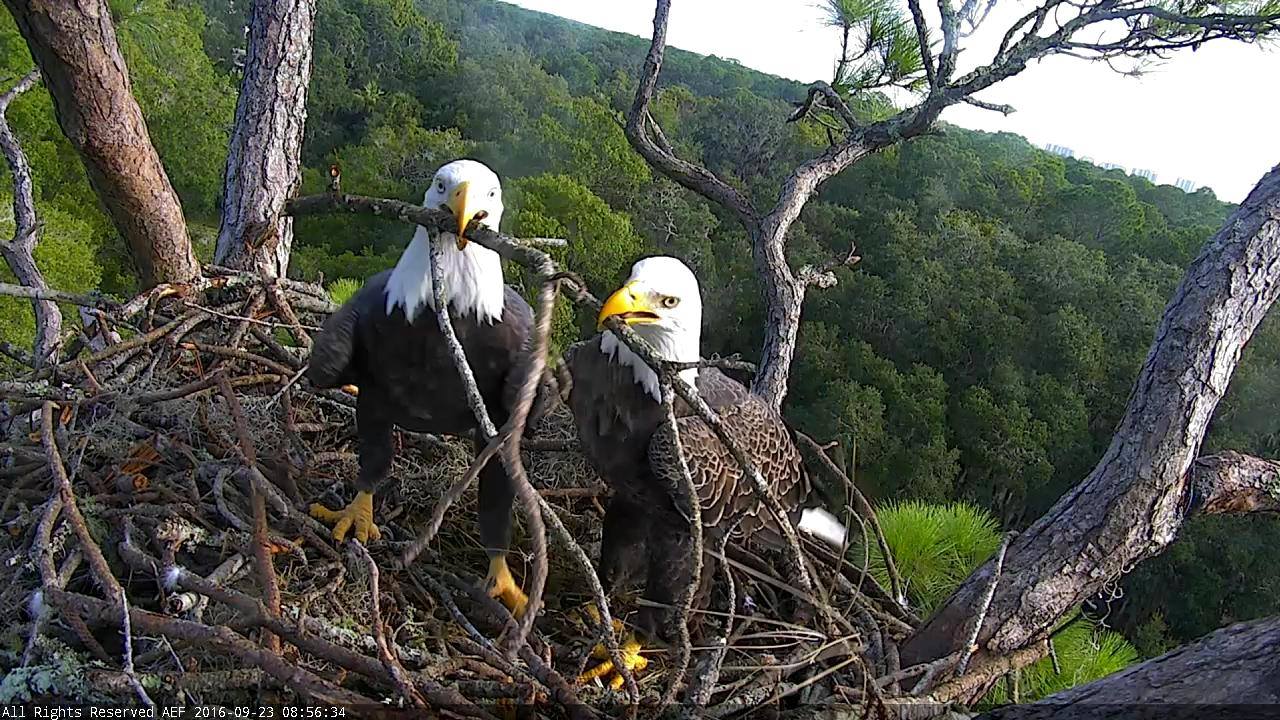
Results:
x,y
266,145
1233,666
74,45
1231,483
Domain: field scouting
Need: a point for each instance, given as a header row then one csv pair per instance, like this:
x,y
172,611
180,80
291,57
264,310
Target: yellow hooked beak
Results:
x,y
630,303
458,203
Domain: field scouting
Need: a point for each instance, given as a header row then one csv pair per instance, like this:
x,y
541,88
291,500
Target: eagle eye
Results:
x,y
493,193
440,185
670,301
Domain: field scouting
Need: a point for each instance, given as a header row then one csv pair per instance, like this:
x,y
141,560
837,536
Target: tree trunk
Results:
x,y
266,145
74,44
19,253
1133,503
1236,665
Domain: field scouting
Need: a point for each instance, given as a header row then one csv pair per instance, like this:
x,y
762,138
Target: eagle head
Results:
x,y
662,303
469,190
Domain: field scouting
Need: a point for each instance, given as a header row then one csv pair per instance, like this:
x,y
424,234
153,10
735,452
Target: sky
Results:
x,y
1208,116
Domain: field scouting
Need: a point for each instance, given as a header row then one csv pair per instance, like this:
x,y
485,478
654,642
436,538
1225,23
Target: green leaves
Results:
x,y
343,289
879,45
1085,653
935,547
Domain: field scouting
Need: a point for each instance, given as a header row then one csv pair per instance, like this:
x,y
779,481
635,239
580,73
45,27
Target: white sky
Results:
x,y
1209,115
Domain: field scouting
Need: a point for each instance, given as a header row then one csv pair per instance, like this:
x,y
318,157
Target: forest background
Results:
x,y
982,351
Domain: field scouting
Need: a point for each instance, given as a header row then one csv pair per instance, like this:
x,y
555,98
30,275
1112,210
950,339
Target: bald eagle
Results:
x,y
386,341
621,426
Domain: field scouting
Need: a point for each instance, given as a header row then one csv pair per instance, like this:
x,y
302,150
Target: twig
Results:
x,y
261,532
217,637
971,644
19,252
684,647
452,495
865,511
388,657
93,553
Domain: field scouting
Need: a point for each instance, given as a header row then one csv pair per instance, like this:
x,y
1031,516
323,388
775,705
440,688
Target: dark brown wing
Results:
x,y
614,418
335,345
725,494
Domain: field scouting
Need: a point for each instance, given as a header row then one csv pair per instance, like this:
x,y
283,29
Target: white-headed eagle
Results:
x,y
616,403
386,341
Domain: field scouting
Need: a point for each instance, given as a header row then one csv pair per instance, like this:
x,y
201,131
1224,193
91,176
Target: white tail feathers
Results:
x,y
823,525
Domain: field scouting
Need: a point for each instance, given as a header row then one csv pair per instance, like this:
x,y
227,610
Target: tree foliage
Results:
x,y
980,353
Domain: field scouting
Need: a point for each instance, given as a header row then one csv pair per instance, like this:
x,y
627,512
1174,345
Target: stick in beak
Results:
x,y
458,203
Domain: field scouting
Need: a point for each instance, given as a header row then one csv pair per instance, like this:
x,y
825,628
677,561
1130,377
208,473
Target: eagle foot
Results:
x,y
357,517
592,620
503,586
631,659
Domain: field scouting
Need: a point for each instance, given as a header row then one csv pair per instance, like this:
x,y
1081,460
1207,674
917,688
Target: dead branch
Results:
x,y
222,638
19,252
261,532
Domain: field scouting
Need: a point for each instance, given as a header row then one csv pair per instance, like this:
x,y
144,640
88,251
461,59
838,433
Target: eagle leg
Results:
x,y
622,547
503,586
374,434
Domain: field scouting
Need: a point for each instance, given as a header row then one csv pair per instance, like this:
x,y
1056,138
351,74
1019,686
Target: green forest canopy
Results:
x,y
981,351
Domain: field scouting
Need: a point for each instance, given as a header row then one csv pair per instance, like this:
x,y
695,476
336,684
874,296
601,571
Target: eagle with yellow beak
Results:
x,y
616,403
386,341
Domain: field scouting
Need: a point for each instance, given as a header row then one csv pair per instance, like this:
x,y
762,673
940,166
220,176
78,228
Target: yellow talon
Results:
x,y
593,613
357,516
503,586
631,659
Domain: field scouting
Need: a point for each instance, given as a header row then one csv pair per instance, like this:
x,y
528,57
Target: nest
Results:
x,y
162,473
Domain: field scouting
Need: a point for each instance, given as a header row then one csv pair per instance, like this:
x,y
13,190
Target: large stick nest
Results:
x,y
132,470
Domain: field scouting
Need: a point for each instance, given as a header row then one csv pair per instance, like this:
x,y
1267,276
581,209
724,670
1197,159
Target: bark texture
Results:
x,y
1134,502
19,253
266,144
1234,666
74,45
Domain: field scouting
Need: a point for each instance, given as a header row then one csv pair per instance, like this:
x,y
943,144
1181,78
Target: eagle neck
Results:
x,y
683,346
473,286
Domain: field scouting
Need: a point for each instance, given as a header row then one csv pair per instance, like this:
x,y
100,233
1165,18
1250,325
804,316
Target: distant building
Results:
x,y
1185,185
1111,166
1060,150
1144,174
1086,158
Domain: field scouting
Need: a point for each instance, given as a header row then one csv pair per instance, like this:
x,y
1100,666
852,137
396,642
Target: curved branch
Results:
x,y
661,157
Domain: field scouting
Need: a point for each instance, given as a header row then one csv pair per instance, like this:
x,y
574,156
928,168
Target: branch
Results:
x,y
1231,483
922,37
639,122
1234,665
684,648
833,102
217,637
19,252
385,653
1002,109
